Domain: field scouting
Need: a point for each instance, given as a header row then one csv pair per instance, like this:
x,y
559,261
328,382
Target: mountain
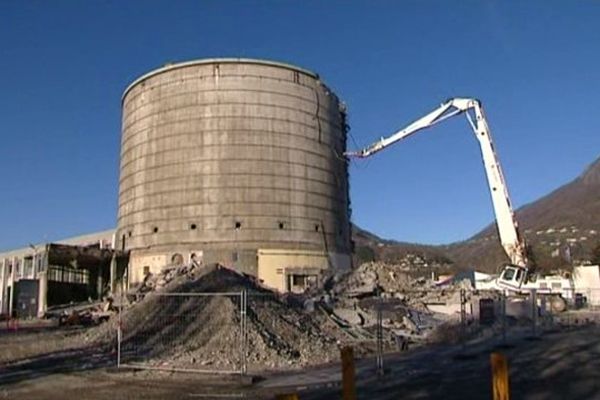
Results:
x,y
563,225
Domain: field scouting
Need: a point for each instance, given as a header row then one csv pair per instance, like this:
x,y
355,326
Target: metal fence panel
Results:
x,y
196,332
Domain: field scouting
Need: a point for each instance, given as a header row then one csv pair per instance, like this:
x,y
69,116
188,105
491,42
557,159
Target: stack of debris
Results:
x,y
84,313
411,309
203,331
167,274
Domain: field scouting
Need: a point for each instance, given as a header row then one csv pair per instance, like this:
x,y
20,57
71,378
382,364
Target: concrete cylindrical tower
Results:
x,y
235,161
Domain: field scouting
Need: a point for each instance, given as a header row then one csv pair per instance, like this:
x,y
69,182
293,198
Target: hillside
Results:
x,y
562,225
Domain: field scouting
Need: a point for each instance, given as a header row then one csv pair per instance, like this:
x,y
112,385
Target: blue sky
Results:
x,y
535,65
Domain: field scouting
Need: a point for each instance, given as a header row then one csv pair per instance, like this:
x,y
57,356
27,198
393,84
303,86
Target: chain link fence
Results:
x,y
248,331
195,332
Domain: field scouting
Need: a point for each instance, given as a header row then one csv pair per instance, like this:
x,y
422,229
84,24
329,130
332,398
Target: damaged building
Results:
x,y
40,276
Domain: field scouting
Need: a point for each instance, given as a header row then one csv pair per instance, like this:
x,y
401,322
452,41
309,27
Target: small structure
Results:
x,y
44,275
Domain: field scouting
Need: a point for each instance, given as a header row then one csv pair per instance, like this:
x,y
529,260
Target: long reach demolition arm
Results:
x,y
512,242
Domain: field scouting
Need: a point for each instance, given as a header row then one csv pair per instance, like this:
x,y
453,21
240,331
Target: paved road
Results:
x,y
562,365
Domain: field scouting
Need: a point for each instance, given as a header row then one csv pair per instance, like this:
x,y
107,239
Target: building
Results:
x,y
47,274
231,161
235,161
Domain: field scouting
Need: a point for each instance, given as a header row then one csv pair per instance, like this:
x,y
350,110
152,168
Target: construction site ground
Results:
x,y
35,364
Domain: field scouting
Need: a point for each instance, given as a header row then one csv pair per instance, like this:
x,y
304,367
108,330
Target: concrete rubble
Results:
x,y
412,309
203,332
283,330
84,313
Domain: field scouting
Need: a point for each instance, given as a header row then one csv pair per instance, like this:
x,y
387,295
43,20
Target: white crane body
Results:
x,y
515,274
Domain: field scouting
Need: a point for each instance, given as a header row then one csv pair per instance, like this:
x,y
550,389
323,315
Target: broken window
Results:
x,y
300,282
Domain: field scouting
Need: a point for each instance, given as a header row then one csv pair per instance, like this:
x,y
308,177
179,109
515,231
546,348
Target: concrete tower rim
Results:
x,y
217,60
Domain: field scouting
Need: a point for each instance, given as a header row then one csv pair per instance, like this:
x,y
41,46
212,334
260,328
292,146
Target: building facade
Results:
x,y
235,161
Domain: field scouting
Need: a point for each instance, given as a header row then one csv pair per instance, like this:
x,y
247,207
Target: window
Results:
x,y
146,270
556,285
155,230
281,225
238,225
518,276
508,274
129,233
193,227
234,256
317,228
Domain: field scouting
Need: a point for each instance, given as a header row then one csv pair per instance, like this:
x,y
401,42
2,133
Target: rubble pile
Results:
x,y
204,331
410,307
164,326
85,313
167,275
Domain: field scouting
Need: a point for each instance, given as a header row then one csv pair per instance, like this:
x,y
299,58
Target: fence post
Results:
x,y
348,374
380,337
463,318
534,313
243,330
500,384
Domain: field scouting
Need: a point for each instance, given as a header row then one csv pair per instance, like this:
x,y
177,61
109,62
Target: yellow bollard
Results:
x,y
348,374
500,385
287,396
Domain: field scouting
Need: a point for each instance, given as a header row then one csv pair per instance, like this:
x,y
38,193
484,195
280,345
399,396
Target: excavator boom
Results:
x,y
514,275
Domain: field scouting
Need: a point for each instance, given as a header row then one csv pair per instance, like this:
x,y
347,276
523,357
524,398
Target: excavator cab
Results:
x,y
512,277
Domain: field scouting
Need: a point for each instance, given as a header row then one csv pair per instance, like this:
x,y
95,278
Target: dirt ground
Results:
x,y
36,364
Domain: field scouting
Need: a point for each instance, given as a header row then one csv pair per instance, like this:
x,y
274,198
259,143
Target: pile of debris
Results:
x,y
172,327
84,313
410,309
191,316
167,274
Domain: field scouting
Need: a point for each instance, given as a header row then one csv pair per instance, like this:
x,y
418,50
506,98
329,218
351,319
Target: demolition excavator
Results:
x,y
518,272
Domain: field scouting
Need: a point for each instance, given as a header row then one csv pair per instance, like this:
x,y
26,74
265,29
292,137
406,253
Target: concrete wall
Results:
x,y
229,156
276,266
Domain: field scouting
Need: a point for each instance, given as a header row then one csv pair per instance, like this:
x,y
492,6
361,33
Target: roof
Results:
x,y
77,240
170,67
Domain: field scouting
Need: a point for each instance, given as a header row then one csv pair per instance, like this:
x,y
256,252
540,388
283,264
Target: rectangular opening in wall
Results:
x,y
299,283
